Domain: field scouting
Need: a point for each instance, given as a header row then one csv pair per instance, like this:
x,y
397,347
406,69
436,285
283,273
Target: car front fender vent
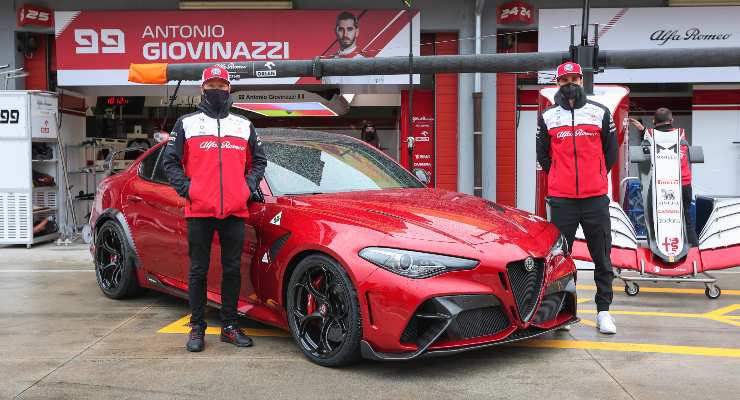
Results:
x,y
277,245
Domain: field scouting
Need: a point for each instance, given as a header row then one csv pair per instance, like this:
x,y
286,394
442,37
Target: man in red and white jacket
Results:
x,y
577,146
214,159
663,121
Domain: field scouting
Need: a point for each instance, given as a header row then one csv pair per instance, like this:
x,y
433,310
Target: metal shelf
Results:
x,y
44,140
43,210
45,161
45,238
87,172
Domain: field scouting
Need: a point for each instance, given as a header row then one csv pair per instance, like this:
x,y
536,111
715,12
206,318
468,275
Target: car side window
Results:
x,y
159,173
146,168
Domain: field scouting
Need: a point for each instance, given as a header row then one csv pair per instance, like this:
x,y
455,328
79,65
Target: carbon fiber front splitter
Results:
x,y
369,353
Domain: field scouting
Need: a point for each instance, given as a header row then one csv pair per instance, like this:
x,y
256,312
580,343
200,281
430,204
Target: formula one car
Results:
x,y
664,254
350,253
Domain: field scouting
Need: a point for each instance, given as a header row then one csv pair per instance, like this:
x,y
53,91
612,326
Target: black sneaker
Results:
x,y
232,334
196,340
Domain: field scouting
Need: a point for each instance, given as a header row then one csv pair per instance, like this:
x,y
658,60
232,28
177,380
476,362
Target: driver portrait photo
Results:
x,y
347,32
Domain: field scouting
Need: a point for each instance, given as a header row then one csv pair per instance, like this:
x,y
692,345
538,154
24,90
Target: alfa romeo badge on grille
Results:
x,y
529,264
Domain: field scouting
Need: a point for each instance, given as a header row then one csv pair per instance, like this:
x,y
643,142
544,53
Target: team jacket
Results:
x,y
577,147
685,170
215,160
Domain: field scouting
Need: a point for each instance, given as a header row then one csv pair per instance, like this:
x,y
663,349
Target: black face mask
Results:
x,y
216,97
370,136
571,91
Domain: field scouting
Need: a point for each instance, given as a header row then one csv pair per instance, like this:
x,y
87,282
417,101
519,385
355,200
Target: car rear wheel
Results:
x,y
114,270
323,312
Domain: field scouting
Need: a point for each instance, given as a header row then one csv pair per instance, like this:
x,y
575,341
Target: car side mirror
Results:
x,y
108,166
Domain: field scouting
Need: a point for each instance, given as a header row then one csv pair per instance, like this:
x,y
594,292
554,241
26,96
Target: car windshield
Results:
x,y
311,167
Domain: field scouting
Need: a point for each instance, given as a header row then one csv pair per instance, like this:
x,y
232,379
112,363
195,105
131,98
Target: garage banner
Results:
x,y
96,47
648,28
422,131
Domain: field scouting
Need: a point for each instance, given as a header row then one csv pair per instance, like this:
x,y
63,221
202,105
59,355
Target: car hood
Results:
x,y
429,215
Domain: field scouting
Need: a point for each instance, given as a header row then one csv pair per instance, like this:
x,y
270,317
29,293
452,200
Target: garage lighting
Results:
x,y
304,109
236,5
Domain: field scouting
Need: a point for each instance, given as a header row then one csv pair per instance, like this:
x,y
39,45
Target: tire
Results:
x,y
713,294
632,290
323,312
114,269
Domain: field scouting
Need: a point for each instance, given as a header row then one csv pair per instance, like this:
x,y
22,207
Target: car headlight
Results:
x,y
559,248
414,264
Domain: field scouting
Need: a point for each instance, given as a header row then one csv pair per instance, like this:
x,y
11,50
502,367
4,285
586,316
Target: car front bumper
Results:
x,y
468,318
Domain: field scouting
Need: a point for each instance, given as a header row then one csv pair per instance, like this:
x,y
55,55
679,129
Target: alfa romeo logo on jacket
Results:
x,y
224,145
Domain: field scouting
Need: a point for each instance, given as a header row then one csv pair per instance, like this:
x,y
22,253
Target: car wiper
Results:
x,y
302,193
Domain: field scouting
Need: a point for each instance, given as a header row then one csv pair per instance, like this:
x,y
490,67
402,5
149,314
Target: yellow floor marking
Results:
x,y
583,300
719,315
181,326
588,322
727,292
632,347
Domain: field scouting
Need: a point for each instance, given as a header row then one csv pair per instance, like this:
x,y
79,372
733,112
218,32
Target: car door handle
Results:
x,y
134,198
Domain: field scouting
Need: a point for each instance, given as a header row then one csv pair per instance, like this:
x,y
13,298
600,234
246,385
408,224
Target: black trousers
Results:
x,y
200,236
593,215
686,196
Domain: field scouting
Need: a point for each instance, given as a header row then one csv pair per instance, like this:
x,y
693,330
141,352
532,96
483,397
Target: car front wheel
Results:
x,y
323,312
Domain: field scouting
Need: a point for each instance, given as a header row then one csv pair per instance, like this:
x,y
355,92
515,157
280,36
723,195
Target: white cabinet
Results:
x,y
28,119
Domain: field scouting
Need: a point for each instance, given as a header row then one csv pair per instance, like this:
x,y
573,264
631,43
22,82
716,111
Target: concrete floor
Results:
x,y
61,338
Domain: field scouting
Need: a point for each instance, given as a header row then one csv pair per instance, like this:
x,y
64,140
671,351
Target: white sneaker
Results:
x,y
564,328
605,323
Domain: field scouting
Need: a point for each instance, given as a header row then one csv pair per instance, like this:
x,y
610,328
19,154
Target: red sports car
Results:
x,y
350,253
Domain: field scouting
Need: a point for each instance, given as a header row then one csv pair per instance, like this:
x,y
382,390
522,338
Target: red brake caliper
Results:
x,y
310,301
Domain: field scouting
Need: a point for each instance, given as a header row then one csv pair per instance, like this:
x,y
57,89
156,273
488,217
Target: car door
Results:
x,y
248,262
155,215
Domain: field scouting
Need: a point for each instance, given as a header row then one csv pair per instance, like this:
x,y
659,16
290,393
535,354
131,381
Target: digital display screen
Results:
x,y
133,105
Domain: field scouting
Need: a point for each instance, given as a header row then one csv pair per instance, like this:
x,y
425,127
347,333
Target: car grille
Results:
x,y
478,322
550,307
526,286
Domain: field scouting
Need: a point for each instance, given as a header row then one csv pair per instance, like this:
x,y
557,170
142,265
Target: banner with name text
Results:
x,y
96,47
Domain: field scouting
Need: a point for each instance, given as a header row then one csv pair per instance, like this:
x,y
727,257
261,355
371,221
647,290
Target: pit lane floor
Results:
x,y
61,338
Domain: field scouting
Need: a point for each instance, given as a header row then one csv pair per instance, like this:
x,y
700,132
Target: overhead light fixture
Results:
x,y
236,5
305,109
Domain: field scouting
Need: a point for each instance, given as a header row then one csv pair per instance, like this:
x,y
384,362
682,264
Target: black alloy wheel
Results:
x,y
113,268
323,312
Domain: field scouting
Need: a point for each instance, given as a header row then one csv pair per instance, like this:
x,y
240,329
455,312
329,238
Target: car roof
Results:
x,y
288,134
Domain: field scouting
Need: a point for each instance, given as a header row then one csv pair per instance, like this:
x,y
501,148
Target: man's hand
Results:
x,y
637,124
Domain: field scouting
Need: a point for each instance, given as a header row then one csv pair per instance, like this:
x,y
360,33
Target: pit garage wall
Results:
x,y
716,127
525,148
